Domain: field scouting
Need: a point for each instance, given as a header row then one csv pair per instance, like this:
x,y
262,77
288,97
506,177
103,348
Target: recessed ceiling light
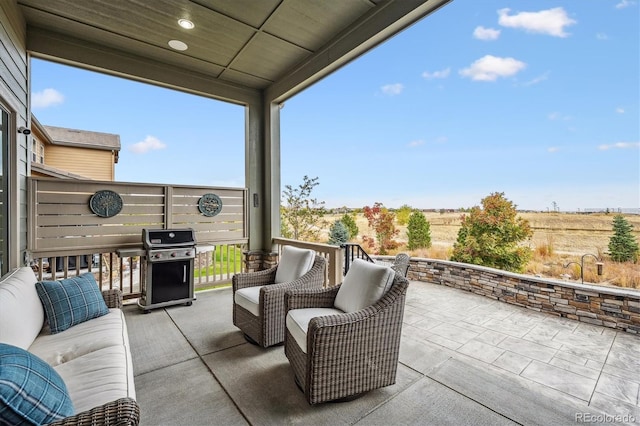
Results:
x,y
186,24
178,45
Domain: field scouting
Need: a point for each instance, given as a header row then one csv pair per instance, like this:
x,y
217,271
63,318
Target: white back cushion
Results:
x,y
294,263
364,285
21,312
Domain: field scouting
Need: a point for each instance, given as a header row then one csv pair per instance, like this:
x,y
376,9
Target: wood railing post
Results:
x,y
336,260
333,255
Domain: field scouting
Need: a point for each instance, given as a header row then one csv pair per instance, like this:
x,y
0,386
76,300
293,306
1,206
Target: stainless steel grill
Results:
x,y
167,265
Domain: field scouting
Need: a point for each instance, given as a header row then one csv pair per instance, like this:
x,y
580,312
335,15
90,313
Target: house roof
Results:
x,y
83,138
238,50
50,171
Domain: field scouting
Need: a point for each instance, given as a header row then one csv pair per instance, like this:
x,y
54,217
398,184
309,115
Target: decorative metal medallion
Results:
x,y
209,205
105,203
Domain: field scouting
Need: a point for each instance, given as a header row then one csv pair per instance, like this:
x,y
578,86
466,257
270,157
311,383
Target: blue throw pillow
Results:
x,y
71,301
31,391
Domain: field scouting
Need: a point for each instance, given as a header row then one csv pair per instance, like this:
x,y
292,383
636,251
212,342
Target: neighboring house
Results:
x,y
73,154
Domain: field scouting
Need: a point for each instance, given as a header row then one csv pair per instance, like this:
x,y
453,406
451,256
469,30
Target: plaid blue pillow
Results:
x,y
31,391
71,301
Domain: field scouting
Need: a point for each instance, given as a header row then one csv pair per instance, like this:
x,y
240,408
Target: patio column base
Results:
x,y
259,260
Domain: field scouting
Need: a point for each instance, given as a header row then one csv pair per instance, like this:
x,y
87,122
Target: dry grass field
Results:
x,y
558,238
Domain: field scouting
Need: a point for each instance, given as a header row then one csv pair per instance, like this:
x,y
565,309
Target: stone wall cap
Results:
x,y
615,291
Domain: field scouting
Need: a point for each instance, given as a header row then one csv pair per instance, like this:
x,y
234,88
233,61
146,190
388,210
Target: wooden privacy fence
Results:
x,y
61,222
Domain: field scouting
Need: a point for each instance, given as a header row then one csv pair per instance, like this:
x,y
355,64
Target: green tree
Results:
x,y
418,231
338,233
381,220
623,246
402,214
490,236
284,229
302,215
350,223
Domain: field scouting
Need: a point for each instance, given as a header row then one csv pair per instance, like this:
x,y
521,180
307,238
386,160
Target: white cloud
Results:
x,y
437,74
620,110
490,68
625,3
150,143
553,149
482,33
550,22
442,139
556,116
619,145
538,79
392,89
46,98
415,143
602,36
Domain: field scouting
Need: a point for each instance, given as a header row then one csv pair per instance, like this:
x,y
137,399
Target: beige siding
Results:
x,y
14,98
89,163
62,222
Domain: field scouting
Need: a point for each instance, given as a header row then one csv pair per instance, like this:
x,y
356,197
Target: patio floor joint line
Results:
x,y
226,392
454,390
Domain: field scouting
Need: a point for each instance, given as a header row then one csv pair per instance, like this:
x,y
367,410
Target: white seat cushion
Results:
x,y
294,263
21,312
98,377
298,322
364,285
81,339
249,298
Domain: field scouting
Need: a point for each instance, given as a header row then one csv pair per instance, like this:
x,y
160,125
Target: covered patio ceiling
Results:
x,y
254,53
237,48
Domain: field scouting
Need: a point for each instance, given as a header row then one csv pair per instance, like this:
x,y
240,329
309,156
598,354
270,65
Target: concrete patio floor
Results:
x,y
464,360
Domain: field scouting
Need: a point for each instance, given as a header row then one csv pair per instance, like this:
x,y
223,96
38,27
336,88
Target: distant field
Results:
x,y
558,238
567,233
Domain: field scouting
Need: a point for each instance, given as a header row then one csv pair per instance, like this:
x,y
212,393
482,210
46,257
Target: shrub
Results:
x,y
490,236
350,223
623,246
338,233
381,221
403,214
547,249
418,231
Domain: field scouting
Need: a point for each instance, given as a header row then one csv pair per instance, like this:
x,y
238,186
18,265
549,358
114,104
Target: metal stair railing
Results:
x,y
354,251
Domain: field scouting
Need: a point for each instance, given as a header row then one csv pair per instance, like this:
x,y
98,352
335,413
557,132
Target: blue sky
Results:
x,y
536,99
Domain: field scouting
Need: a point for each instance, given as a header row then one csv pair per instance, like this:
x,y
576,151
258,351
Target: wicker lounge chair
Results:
x,y
342,353
401,264
258,297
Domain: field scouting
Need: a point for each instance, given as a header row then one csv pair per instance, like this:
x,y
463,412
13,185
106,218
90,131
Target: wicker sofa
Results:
x,y
92,358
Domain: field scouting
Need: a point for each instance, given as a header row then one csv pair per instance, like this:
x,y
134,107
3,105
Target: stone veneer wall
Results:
x,y
258,260
607,306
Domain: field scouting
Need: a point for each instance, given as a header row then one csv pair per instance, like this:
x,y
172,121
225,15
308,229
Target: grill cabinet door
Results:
x,y
170,281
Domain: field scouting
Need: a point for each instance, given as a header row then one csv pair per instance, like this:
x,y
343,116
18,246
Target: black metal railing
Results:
x,y
354,251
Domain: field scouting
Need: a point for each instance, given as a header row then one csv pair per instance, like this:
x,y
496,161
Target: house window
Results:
x,y
34,144
41,154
